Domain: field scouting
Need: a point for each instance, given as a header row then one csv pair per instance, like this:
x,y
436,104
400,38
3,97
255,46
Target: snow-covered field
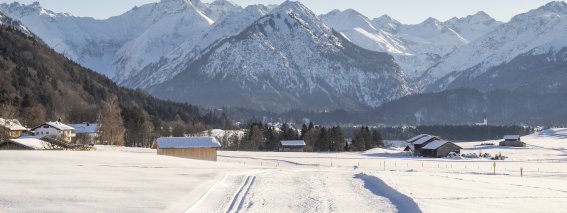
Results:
x,y
115,179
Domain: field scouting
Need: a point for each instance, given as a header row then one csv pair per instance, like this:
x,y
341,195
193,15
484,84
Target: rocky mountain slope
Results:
x,y
287,59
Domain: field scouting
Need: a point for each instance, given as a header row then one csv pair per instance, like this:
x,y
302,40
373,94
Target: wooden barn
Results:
x,y
26,144
416,143
512,140
292,146
439,149
198,148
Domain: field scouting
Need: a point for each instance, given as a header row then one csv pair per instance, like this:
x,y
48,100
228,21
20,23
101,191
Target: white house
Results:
x,y
55,129
87,133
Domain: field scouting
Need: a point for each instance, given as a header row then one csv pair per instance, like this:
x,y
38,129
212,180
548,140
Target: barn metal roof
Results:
x,y
511,137
425,139
435,144
188,142
411,140
293,143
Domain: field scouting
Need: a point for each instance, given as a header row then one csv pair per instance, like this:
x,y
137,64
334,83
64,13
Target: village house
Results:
x,y
199,148
292,146
55,130
86,133
512,140
12,128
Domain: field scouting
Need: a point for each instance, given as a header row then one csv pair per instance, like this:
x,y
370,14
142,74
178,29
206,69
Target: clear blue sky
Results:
x,y
406,11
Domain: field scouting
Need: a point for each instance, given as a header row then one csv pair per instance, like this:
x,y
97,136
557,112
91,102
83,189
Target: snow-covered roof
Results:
x,y
188,142
293,143
435,144
12,124
85,128
57,125
32,143
425,139
416,137
511,137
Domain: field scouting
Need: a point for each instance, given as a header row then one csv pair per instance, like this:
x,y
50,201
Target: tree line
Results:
x,y
259,136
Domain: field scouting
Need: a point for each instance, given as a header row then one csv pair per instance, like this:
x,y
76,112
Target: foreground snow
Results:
x,y
114,179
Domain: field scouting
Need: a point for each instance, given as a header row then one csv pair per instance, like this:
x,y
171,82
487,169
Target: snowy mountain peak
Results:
x,y
432,22
23,9
479,17
555,7
387,23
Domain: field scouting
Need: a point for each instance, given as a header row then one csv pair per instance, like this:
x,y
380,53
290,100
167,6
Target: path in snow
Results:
x,y
295,190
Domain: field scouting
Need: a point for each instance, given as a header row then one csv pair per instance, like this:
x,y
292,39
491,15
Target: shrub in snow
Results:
x,y
470,155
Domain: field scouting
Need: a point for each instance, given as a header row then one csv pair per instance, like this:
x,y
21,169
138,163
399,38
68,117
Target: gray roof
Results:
x,y
85,128
435,144
425,139
511,137
188,142
411,140
293,143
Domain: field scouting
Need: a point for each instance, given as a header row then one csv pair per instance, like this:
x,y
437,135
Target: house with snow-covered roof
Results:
x,y
431,146
199,148
439,149
12,128
292,146
55,130
86,133
512,140
415,143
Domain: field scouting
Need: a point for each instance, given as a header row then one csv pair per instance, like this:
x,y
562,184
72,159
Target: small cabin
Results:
x,y
198,148
12,128
292,146
513,141
439,149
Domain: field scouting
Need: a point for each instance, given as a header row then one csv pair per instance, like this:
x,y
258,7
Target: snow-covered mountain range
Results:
x,y
287,57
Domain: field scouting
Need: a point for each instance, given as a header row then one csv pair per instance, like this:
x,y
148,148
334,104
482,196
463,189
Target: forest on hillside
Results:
x,y
38,85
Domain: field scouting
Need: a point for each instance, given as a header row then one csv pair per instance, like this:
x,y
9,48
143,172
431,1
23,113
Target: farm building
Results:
x,y
55,129
292,146
512,140
415,144
12,128
87,133
439,149
25,144
199,148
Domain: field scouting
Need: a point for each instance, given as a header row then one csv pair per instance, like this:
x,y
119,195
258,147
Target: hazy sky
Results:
x,y
406,11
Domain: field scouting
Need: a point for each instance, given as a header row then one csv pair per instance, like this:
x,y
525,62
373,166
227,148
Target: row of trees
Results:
x,y
259,136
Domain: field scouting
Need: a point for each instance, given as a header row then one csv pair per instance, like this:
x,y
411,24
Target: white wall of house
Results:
x,y
47,130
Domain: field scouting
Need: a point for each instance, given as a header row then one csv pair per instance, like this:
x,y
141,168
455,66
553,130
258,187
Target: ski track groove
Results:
x,y
241,194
